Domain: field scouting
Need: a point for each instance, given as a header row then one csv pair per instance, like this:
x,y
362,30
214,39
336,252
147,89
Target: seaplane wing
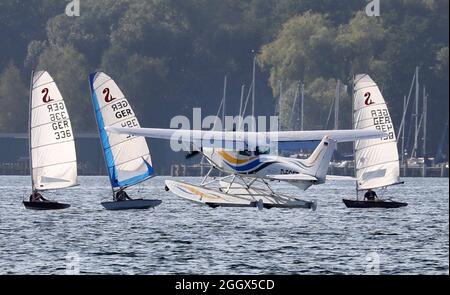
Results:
x,y
292,177
220,139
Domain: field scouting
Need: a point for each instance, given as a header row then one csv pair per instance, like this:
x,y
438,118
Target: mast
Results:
x,y
424,115
416,115
253,92
277,110
336,105
301,106
224,100
30,104
439,152
353,142
354,127
336,108
244,109
297,93
242,99
402,123
403,132
278,105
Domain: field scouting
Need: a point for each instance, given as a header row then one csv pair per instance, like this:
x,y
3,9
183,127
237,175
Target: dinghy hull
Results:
x,y
373,204
131,204
45,205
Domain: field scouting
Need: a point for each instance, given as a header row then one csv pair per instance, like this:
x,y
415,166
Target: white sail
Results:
x,y
376,160
127,157
53,157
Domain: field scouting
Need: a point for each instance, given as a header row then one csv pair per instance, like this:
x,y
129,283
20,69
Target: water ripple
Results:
x,y
179,237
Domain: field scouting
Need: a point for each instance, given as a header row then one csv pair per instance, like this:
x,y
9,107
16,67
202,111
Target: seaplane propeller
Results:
x,y
192,154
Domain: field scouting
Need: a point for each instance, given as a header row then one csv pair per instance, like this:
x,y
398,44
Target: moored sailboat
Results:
x,y
376,160
127,157
53,162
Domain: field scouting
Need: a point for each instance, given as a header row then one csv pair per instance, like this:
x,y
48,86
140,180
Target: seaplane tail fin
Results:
x,y
319,160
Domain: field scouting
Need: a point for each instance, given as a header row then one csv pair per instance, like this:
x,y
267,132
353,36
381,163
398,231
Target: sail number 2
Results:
x,y
46,98
108,96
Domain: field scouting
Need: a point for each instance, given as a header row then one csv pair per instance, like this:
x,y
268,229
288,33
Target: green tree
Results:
x,y
319,100
14,100
68,68
302,50
21,22
169,52
441,66
142,82
90,33
359,45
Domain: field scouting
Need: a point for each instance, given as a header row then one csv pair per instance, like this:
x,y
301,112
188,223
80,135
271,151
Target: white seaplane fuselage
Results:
x,y
251,163
261,164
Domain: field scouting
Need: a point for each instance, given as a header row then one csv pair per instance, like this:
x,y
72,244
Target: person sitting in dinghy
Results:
x,y
37,197
370,195
122,196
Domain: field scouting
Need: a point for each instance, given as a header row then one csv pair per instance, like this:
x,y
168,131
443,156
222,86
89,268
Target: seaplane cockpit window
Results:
x,y
258,151
262,150
245,153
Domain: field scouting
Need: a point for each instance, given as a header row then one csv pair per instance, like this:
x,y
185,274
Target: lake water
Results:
x,y
179,237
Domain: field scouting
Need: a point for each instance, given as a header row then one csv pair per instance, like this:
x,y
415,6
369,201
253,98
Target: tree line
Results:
x,y
170,56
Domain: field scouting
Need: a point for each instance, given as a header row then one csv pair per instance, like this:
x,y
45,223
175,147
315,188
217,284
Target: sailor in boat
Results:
x,y
122,196
370,195
37,197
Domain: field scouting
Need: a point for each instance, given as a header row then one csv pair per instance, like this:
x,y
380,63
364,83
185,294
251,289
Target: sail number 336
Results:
x,y
382,122
59,120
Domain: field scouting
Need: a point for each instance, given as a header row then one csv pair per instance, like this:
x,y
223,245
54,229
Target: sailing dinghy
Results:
x,y
376,160
53,162
127,157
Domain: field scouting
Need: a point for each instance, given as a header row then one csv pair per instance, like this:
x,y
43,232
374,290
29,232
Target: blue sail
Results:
x,y
114,106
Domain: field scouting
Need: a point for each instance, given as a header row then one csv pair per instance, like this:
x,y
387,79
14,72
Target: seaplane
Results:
x,y
250,161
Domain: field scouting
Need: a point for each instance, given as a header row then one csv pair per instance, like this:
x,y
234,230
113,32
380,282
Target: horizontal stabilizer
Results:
x,y
292,177
337,177
47,179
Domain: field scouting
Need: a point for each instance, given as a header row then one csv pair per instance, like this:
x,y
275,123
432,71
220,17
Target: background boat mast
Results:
x,y
416,116
30,104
